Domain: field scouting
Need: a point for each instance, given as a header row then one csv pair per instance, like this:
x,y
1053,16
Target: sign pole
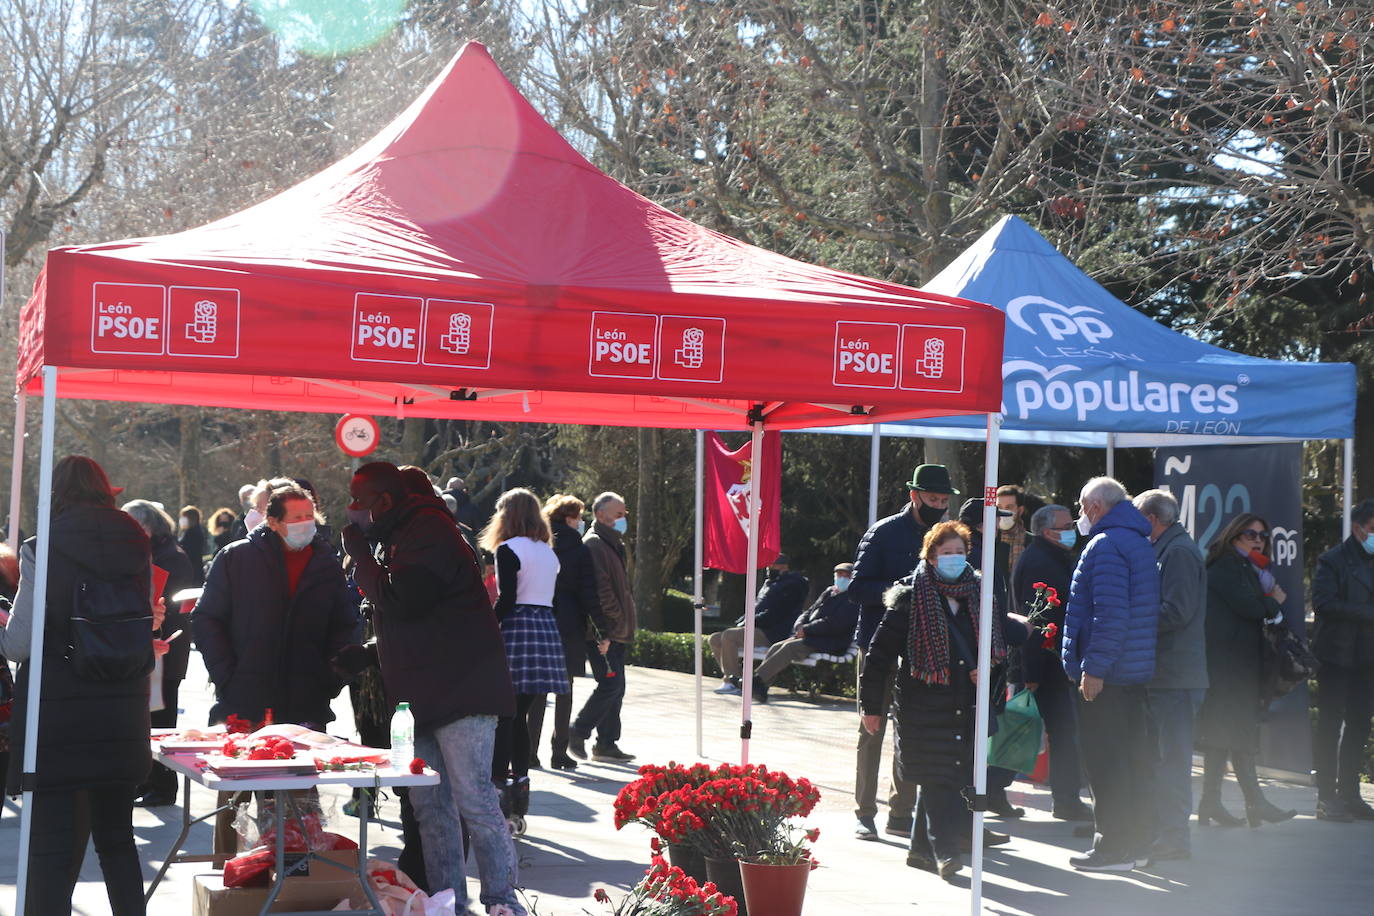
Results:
x,y
751,580
698,599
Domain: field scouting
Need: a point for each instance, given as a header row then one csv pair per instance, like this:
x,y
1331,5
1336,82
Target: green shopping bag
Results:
x,y
1019,728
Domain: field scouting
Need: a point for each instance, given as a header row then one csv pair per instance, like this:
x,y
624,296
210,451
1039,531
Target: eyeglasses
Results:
x,y
1253,535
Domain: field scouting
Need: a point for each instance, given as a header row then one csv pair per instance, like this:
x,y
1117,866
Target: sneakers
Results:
x,y
577,746
865,829
729,687
1094,860
609,752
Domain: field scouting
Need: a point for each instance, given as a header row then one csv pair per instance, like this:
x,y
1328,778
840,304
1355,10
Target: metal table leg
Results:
x,y
174,855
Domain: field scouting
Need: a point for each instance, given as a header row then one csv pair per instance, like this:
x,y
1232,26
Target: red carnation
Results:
x,y
417,766
1039,585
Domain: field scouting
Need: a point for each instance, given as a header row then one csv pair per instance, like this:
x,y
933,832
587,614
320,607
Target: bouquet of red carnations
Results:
x,y
666,891
1042,600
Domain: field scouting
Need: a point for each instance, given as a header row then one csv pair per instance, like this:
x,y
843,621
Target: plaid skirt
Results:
x,y
535,650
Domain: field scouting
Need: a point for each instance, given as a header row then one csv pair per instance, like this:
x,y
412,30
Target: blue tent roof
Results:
x,y
1079,363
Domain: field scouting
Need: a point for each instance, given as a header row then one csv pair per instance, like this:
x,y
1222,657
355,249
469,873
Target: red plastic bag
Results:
x,y
249,868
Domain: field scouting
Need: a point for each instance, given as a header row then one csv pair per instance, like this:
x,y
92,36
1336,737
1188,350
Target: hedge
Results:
x,y
674,652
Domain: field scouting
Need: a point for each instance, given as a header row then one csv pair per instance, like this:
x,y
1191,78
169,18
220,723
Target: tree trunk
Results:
x,y
413,440
648,585
189,467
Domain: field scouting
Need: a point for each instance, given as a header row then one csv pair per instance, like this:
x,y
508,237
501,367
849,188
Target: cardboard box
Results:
x,y
314,870
212,898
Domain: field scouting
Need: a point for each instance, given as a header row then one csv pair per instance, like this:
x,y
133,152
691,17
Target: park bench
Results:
x,y
810,681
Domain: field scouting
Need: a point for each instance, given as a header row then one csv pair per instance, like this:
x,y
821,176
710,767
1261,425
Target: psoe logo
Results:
x,y
1284,545
1057,320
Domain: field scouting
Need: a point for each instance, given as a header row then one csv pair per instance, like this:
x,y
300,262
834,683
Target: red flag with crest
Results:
x,y
729,480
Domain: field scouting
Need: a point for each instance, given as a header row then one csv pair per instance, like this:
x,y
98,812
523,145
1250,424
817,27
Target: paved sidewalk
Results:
x,y
1302,866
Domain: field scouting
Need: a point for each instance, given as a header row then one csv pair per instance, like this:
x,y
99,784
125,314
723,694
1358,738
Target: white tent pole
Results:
x,y
1111,454
751,581
40,603
17,467
1347,486
697,598
873,455
985,624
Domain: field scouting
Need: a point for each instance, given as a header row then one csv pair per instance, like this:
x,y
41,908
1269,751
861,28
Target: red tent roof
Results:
x,y
468,262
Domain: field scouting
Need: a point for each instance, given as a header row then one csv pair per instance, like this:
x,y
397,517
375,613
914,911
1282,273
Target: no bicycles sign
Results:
x,y
357,435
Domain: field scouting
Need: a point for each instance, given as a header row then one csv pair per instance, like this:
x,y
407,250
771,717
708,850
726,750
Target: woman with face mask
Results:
x,y
930,634
275,610
1241,595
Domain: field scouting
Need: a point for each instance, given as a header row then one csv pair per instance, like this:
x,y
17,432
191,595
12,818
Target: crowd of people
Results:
x,y
1157,650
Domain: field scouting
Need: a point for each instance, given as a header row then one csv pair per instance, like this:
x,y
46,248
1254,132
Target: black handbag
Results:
x,y
1287,662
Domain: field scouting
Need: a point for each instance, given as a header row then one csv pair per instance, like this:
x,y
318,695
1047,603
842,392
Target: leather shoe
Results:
x,y
922,861
1073,811
611,752
898,826
990,838
1359,809
950,866
1004,808
577,746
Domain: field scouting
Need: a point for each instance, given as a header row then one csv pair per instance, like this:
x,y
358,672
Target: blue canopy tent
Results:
x,y
1081,367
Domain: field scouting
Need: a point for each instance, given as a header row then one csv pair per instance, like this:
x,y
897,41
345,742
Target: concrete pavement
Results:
x,y
1301,866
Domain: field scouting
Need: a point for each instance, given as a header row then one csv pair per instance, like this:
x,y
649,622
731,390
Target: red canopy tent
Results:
x,y
467,262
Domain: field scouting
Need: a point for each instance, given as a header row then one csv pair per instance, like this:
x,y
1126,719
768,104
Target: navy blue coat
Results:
x,y
889,551
1041,561
828,625
265,648
779,602
1111,623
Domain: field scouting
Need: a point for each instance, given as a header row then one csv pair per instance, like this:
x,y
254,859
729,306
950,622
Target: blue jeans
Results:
x,y
602,709
461,752
1170,713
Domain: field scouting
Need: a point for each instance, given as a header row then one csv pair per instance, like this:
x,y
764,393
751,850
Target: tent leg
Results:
x,y
1111,455
985,624
698,600
35,662
1347,486
873,455
751,581
17,470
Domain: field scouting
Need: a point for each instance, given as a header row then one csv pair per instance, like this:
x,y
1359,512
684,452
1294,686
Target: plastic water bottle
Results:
x,y
402,737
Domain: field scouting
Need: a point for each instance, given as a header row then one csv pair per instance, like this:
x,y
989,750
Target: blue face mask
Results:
x,y
842,583
1368,542
1068,538
620,525
950,566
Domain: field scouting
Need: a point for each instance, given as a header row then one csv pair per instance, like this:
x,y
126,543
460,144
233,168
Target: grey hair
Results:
x,y
1159,503
1106,490
152,517
1043,518
604,498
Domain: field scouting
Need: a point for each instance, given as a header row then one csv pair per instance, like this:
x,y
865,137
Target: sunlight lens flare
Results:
x,y
328,28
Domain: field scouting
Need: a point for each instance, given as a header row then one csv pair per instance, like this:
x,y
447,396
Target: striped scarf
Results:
x,y
928,625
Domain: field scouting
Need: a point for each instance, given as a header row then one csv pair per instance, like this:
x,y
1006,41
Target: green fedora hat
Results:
x,y
932,478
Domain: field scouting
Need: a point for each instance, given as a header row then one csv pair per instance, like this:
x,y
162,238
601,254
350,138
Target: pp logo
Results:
x,y
1285,546
1057,320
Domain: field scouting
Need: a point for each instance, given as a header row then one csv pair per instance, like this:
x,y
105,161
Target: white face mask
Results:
x,y
299,534
253,519
1085,527
581,526
1007,523
184,524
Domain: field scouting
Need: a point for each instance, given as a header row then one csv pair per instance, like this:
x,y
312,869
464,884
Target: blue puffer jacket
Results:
x,y
1112,620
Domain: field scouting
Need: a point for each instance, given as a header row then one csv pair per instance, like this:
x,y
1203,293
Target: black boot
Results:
x,y
1209,808
560,759
503,788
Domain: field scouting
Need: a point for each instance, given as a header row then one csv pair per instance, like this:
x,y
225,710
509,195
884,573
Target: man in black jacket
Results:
x,y
779,601
827,626
1343,599
1049,559
441,651
889,552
